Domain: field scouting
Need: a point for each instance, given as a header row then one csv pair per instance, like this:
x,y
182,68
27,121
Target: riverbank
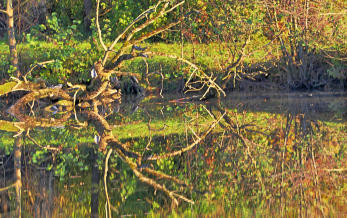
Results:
x,y
259,71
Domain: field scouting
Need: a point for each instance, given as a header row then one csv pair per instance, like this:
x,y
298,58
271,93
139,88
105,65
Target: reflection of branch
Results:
x,y
164,176
48,147
127,156
105,181
154,184
175,153
3,11
8,187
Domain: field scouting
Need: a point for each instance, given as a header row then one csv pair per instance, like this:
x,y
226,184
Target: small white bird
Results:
x,y
93,73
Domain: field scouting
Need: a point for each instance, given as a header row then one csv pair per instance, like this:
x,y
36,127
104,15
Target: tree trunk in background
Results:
x,y
87,14
17,149
42,11
12,38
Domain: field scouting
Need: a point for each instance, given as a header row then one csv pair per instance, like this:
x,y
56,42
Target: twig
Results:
x,y
162,82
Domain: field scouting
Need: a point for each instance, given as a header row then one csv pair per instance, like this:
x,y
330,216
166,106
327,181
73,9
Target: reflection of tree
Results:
x,y
17,184
44,201
17,173
94,201
139,162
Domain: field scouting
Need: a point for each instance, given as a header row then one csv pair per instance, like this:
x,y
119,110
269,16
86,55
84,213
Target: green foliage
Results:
x,y
337,70
122,13
6,143
68,11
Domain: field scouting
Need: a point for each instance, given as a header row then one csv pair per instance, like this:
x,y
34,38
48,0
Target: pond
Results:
x,y
250,154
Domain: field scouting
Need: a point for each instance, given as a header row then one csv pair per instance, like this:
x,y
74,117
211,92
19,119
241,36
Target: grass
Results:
x,y
208,56
75,59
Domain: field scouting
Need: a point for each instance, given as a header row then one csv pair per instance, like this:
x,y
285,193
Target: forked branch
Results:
x,y
160,9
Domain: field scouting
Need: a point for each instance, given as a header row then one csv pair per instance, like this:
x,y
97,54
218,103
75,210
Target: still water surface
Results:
x,y
269,154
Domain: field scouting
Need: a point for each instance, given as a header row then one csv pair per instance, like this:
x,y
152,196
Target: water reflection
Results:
x,y
280,158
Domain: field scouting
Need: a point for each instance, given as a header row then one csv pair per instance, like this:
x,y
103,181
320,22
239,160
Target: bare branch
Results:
x,y
128,42
124,57
174,7
98,26
148,22
209,80
241,55
153,33
137,19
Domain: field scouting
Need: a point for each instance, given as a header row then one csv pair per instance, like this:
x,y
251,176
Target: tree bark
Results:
x,y
42,6
12,38
87,4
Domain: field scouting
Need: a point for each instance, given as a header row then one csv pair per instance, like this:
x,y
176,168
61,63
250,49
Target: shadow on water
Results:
x,y
269,154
